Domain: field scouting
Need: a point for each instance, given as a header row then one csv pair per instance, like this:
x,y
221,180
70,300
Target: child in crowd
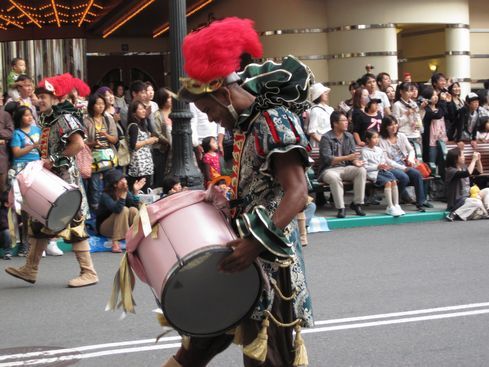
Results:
x,y
459,203
211,159
172,185
18,68
483,133
5,241
378,168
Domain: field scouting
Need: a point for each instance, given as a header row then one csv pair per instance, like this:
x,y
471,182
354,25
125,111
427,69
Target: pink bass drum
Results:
x,y
181,266
48,198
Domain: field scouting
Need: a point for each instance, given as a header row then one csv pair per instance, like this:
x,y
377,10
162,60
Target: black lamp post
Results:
x,y
183,165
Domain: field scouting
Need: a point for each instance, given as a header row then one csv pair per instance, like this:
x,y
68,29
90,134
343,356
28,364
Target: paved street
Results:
x,y
408,295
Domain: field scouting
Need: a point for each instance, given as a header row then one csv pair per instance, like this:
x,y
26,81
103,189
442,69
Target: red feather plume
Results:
x,y
82,88
62,84
215,51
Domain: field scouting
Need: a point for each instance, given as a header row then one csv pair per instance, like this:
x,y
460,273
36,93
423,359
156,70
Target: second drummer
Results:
x,y
61,139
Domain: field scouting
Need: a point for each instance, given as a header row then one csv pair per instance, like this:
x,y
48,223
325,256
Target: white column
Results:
x,y
457,46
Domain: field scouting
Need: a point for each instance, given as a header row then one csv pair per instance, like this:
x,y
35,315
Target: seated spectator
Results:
x,y
339,162
433,125
398,149
118,207
379,171
369,119
459,203
469,120
483,132
319,114
391,94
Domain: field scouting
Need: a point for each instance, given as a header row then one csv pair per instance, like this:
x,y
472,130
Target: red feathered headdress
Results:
x,y
59,85
215,51
82,88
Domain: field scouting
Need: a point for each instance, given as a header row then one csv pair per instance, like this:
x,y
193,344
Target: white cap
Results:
x,y
317,89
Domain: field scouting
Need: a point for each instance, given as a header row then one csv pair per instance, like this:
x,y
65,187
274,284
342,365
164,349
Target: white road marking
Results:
x,y
52,356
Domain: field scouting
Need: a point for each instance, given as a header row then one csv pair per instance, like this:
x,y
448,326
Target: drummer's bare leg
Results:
x,y
200,351
28,272
88,275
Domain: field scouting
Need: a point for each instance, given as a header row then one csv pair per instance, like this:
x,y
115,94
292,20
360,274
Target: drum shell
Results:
x,y
180,234
38,198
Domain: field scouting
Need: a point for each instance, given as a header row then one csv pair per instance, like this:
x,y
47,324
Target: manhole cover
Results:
x,y
39,356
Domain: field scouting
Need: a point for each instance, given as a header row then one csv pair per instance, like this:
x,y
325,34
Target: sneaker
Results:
x,y
399,209
7,257
44,254
420,208
22,253
392,210
53,249
427,204
450,217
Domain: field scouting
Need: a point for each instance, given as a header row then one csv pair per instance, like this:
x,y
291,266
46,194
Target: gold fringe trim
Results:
x,y
154,231
185,342
280,294
11,227
257,350
162,320
123,286
301,358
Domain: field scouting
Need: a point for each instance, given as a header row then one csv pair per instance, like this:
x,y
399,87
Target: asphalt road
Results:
x,y
408,295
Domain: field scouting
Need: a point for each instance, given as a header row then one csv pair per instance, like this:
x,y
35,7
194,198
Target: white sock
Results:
x,y
395,195
388,196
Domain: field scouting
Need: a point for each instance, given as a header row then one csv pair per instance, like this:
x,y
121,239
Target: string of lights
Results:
x,y
18,14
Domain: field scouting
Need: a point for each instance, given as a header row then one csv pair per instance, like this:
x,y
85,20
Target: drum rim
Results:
x,y
189,257
54,204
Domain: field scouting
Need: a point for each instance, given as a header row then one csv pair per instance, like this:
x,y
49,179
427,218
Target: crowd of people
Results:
x,y
381,134
128,149
393,136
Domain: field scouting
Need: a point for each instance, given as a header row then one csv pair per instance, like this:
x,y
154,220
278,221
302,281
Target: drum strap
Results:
x,y
44,143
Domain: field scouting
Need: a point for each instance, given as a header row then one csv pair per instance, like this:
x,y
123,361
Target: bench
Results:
x,y
483,148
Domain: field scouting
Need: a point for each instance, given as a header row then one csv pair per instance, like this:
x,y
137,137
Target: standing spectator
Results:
x,y
150,93
407,78
406,112
398,149
457,179
391,94
25,94
319,114
360,100
379,171
339,162
118,207
383,81
138,92
107,94
483,132
433,125
211,160
5,239
439,84
369,82
346,106
18,68
454,107
163,127
101,138
120,104
370,119
25,149
140,142
469,118
6,131
484,100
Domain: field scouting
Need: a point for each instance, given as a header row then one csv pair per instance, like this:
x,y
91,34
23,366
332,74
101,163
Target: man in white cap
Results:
x,y
319,114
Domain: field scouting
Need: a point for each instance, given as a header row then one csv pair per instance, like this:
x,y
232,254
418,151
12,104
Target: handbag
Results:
x,y
84,161
424,169
123,154
103,159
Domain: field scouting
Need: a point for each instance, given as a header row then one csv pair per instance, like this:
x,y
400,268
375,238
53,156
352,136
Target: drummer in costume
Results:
x,y
270,156
61,139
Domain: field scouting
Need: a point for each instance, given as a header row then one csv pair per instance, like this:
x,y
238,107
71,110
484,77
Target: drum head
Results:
x,y
200,301
64,210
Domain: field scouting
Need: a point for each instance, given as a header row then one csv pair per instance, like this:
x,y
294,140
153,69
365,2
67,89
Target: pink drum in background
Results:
x,y
48,198
181,266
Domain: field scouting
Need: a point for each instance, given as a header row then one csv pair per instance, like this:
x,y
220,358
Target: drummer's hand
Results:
x,y
47,163
245,251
